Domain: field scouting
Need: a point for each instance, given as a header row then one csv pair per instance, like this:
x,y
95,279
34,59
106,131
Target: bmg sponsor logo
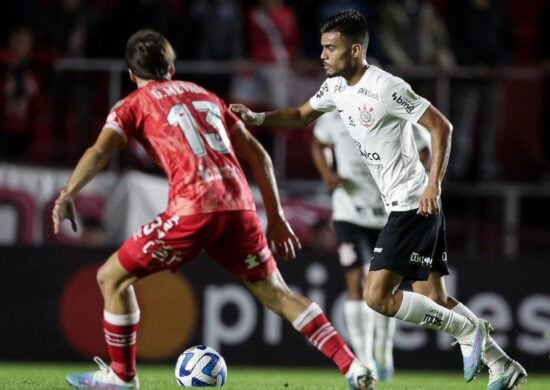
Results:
x,y
404,102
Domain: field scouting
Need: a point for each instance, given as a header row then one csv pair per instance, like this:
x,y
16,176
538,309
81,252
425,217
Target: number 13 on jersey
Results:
x,y
217,140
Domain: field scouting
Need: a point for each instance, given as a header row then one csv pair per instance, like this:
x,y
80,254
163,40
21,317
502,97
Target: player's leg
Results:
x,y
140,255
243,250
354,251
383,346
405,248
504,373
308,319
120,323
120,316
359,318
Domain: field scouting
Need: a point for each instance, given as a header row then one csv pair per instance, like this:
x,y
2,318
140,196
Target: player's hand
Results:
x,y
282,240
245,113
429,201
332,180
63,209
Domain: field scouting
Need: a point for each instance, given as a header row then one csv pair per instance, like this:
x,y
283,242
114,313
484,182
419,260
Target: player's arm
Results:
x,y
279,233
295,117
440,130
320,153
90,164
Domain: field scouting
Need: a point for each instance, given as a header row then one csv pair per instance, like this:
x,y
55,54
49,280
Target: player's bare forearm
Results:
x,y
247,147
94,160
441,130
296,117
319,153
89,165
287,118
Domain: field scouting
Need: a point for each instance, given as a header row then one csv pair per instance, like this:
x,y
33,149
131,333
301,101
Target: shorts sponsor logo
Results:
x,y
404,102
366,117
378,250
444,257
423,261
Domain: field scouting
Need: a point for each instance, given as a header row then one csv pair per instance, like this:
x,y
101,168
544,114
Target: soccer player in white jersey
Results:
x,y
358,215
378,110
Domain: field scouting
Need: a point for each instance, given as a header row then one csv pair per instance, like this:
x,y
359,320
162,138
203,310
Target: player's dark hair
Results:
x,y
149,55
350,23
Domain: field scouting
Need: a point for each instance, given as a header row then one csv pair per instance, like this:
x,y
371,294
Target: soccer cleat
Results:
x,y
359,377
384,374
511,377
473,348
104,378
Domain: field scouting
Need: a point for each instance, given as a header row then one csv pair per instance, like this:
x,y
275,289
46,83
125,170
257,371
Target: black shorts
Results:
x,y
355,244
412,245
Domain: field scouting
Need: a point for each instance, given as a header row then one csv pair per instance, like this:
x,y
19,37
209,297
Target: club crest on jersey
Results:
x,y
365,116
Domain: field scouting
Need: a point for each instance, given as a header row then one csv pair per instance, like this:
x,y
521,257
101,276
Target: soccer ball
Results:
x,y
200,366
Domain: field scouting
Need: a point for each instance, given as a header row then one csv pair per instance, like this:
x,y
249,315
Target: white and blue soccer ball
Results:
x,y
201,366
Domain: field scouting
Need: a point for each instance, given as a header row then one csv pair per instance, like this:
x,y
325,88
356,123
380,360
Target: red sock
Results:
x,y
315,326
120,335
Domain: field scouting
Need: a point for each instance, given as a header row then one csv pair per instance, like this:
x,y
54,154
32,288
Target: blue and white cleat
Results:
x,y
104,378
360,377
511,377
384,374
473,348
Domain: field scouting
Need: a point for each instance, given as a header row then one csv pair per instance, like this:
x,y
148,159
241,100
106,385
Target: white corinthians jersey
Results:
x,y
379,112
358,200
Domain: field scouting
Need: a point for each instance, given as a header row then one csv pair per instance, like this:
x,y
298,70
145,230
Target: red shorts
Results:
x,y
234,239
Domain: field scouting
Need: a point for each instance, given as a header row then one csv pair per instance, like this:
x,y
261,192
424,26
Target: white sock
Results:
x,y
360,325
494,355
383,341
421,310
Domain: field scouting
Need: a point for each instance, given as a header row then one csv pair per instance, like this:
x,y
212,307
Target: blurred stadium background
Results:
x,y
484,63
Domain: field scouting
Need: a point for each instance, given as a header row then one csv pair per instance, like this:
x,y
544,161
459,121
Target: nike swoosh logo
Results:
x,y
340,110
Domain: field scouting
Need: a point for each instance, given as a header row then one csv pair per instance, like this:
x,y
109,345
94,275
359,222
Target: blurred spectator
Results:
x,y
20,87
68,30
481,37
411,33
273,38
225,41
264,82
322,236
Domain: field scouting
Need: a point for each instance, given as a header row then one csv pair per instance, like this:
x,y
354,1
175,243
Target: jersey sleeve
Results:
x,y
231,120
401,101
322,100
122,119
323,129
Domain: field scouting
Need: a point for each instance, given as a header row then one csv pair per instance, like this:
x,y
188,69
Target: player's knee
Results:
x,y
437,297
105,280
376,300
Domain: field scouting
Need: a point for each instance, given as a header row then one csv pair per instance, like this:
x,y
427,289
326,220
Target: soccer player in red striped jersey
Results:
x,y
192,135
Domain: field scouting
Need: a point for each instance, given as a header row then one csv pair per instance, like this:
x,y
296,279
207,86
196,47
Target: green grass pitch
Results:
x,y
18,376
